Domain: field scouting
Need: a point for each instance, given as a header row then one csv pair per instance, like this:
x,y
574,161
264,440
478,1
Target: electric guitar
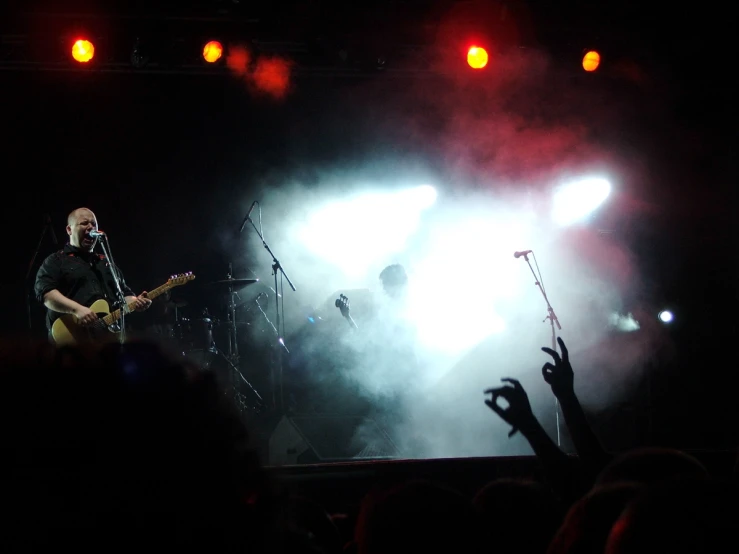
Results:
x,y
66,330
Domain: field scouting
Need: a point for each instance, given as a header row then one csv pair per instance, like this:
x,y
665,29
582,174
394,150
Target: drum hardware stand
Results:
x,y
266,317
232,356
233,347
238,396
277,370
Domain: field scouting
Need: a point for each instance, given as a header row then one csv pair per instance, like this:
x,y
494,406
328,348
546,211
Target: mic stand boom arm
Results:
x,y
553,320
276,267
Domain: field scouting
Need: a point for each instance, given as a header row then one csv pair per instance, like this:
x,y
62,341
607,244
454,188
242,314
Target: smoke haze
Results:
x,y
494,148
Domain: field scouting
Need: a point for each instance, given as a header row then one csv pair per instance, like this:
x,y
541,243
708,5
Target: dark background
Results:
x,y
167,161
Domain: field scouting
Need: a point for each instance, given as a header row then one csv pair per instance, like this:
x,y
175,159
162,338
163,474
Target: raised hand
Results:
x,y
518,413
559,375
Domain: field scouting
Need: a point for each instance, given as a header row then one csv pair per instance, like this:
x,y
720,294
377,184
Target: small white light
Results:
x,y
665,316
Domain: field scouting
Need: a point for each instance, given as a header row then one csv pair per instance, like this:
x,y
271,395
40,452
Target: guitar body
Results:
x,y
66,331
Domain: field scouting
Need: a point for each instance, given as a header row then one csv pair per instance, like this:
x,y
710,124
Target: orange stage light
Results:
x,y
477,57
212,51
83,50
591,61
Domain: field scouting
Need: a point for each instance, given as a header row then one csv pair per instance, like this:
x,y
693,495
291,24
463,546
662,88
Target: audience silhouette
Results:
x,y
123,446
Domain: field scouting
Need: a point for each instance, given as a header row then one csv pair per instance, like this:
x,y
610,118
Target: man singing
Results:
x,y
70,280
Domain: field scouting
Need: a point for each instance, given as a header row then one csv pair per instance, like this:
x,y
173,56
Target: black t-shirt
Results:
x,y
80,276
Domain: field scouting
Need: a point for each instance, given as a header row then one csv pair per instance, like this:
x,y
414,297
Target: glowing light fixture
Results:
x,y
477,57
212,51
666,316
345,232
591,60
421,197
575,201
83,50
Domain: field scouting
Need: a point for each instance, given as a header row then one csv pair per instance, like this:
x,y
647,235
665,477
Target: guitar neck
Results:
x,y
112,317
350,319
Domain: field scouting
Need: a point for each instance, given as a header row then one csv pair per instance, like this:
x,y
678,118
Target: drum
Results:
x,y
195,337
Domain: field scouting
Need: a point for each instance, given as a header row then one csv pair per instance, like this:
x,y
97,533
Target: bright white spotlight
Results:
x,y
425,196
575,201
346,233
665,316
445,322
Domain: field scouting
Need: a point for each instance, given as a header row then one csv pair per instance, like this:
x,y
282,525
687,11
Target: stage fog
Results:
x,y
449,181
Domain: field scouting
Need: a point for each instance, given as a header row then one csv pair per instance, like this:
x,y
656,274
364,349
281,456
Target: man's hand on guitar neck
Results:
x,y
138,303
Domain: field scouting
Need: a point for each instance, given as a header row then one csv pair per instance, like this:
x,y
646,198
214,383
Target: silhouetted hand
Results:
x,y
559,375
518,413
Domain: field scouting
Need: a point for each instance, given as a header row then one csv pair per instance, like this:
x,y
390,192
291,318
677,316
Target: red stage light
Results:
x,y
212,51
591,60
477,57
83,50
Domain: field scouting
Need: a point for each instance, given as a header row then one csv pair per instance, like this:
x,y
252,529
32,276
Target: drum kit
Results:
x,y
195,339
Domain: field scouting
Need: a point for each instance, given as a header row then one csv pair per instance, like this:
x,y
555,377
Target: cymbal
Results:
x,y
232,283
176,303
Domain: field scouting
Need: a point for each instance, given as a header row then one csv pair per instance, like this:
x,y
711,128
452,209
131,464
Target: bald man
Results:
x,y
70,280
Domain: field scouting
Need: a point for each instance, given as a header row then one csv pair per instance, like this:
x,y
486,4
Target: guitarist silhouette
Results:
x,y
384,361
394,283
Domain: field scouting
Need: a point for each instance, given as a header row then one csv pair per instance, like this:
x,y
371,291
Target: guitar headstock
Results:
x,y
181,279
342,302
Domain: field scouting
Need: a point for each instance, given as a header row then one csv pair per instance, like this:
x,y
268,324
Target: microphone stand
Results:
x,y
280,345
553,320
105,245
47,224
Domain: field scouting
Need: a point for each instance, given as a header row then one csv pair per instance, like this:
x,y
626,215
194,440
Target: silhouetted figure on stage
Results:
x,y
394,281
384,361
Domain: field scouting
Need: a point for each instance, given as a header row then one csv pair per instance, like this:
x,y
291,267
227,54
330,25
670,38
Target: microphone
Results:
x,y
243,224
51,228
523,253
96,234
